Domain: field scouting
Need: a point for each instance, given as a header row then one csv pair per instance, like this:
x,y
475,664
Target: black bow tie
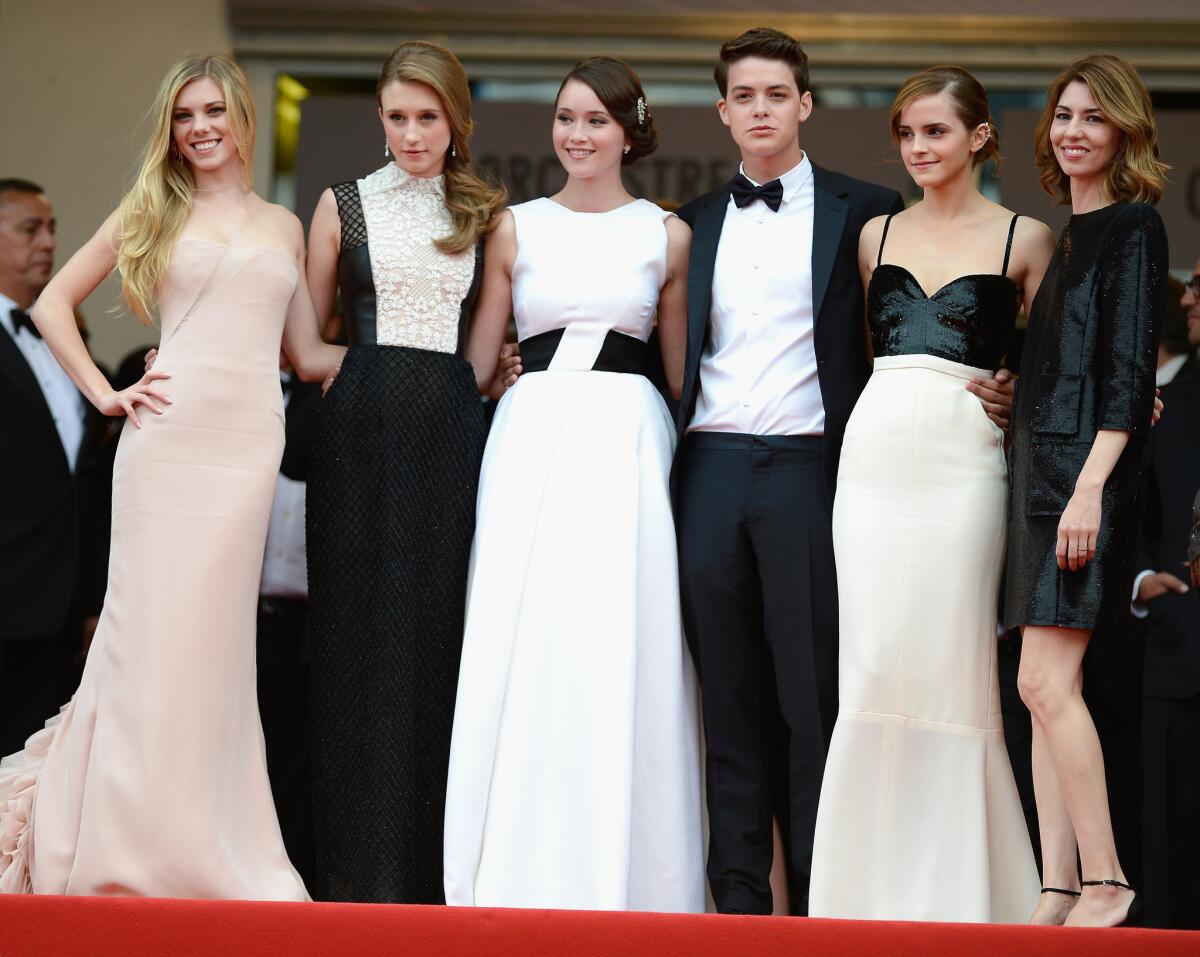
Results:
x,y
21,318
745,192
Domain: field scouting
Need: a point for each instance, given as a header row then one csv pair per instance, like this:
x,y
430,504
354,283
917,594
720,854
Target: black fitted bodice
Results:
x,y
968,320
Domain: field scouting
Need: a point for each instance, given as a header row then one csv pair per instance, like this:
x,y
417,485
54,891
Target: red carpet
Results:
x,y
128,927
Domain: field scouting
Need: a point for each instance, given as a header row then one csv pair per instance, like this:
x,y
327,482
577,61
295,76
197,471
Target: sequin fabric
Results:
x,y
419,290
968,320
1088,364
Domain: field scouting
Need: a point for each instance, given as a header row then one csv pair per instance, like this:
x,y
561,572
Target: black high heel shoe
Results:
x,y
1133,915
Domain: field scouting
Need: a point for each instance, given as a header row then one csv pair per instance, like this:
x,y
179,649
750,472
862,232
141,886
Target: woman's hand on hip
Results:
x,y
143,392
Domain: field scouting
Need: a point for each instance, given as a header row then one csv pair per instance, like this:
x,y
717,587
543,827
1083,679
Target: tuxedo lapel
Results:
x,y
28,393
705,240
830,209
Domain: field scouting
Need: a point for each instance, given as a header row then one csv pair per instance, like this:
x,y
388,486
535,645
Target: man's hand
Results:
x,y
996,396
1159,583
1158,407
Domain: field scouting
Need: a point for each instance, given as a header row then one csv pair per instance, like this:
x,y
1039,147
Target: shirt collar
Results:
x,y
792,181
7,306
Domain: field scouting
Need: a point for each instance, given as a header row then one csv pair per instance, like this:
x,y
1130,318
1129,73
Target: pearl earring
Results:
x,y
626,147
452,150
386,151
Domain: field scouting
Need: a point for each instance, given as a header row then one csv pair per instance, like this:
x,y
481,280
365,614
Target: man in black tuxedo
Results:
x,y
50,574
776,359
1171,707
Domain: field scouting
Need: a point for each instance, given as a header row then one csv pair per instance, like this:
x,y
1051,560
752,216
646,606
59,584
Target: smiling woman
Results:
x,y
152,781
1079,426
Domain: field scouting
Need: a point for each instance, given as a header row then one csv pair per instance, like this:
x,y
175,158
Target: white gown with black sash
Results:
x,y
574,768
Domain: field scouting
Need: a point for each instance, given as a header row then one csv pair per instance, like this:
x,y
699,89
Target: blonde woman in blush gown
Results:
x,y
153,781
919,817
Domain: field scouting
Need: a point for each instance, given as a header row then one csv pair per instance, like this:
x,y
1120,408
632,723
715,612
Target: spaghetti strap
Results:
x,y
1012,228
883,239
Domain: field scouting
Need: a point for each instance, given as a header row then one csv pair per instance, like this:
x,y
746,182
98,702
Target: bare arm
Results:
x,y
495,302
868,253
313,358
324,242
1080,522
54,315
672,304
1033,245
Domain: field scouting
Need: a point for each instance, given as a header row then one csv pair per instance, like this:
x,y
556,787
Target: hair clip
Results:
x,y
641,110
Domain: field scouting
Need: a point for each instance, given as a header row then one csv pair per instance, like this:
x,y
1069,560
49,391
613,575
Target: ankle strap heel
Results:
x,y
1107,883
1060,890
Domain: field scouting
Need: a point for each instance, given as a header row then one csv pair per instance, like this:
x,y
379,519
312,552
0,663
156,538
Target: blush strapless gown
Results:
x,y
153,779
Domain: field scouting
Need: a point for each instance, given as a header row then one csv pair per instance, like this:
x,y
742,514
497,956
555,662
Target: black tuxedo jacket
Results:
x,y
1172,478
48,552
842,205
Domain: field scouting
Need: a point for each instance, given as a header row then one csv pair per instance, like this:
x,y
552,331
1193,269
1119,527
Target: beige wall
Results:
x,y
76,77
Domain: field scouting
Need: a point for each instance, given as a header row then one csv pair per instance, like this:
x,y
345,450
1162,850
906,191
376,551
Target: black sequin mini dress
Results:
x,y
1088,364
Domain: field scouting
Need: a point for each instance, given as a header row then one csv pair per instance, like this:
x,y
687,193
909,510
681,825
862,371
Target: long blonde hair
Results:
x,y
153,212
473,203
1135,174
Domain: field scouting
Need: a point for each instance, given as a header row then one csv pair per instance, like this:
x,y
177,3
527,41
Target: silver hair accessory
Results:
x,y
641,110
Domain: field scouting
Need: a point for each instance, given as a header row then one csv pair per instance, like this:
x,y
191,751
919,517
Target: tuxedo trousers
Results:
x,y
37,675
760,611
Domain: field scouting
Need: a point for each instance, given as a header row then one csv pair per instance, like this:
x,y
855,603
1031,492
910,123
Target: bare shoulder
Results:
x,y
677,230
1034,233
872,232
502,240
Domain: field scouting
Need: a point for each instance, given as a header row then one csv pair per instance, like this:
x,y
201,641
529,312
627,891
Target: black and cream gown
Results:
x,y
391,513
919,817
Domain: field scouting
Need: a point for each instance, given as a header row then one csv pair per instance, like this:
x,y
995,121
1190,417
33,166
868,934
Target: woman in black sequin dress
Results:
x,y
391,489
919,816
1083,405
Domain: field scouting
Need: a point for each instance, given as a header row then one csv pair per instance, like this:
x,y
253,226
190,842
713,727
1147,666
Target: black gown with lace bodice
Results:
x,y
395,463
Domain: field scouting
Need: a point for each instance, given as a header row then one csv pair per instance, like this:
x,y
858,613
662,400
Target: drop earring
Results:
x,y
453,152
626,147
386,151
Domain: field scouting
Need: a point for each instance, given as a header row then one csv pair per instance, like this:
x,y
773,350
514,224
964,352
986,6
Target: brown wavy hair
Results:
x,y
153,212
619,88
1136,174
473,203
966,93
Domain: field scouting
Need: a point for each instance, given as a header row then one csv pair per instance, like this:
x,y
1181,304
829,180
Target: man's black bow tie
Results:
x,y
21,318
745,192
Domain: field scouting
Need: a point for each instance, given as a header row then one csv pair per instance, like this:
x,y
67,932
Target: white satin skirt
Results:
x,y
574,775
919,817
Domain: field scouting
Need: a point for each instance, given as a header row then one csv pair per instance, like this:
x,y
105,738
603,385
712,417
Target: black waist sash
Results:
x,y
619,353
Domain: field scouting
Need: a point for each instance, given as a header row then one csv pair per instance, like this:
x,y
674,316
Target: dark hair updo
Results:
x,y
619,89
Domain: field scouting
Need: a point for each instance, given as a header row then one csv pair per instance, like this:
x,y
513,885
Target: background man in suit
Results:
x,y
776,359
1171,708
45,444
284,645
1179,344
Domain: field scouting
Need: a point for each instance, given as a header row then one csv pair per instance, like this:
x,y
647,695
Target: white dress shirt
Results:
x,y
285,565
1169,369
65,401
758,370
